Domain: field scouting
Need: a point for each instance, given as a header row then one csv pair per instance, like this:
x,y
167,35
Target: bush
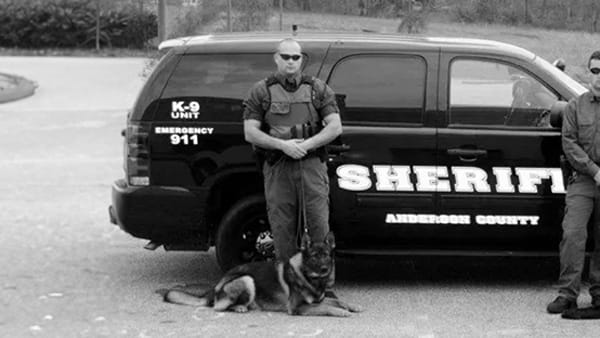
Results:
x,y
251,14
123,29
32,24
476,11
197,20
141,27
553,14
414,19
71,23
246,15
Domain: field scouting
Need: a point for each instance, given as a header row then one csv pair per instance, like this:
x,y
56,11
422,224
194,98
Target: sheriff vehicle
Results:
x,y
447,147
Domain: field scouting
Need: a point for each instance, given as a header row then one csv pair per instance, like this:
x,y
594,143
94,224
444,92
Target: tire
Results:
x,y
239,230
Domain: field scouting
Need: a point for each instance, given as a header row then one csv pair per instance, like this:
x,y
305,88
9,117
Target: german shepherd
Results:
x,y
297,286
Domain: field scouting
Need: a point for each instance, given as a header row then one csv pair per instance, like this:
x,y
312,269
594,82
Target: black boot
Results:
x,y
560,304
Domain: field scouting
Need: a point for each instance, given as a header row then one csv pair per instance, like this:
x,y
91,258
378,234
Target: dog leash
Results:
x,y
302,221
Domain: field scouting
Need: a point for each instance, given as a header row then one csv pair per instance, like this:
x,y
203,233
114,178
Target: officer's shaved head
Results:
x,y
286,43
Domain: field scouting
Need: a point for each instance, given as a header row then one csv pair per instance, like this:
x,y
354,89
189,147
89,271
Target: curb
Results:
x,y
15,87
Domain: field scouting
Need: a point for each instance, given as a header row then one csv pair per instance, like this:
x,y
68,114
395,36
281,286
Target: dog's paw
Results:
x,y
239,308
162,292
342,313
355,308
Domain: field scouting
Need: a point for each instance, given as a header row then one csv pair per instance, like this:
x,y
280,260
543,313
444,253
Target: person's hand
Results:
x,y
304,144
597,178
293,149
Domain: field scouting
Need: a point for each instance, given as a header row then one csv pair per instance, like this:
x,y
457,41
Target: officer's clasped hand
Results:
x,y
293,149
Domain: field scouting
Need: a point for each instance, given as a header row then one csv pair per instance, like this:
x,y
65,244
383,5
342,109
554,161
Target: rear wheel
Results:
x,y
244,234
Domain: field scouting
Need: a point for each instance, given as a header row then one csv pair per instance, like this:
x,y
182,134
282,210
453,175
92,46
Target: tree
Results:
x,y
304,5
414,18
162,26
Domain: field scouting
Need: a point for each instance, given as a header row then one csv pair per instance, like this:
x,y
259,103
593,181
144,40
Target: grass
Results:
x,y
573,46
79,52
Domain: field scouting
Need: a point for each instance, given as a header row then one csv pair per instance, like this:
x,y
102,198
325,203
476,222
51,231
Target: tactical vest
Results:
x,y
289,113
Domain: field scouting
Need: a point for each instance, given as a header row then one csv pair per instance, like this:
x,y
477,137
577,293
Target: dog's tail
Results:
x,y
582,313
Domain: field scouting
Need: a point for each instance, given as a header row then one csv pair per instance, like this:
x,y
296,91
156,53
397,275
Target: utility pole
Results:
x,y
161,21
97,25
280,15
229,15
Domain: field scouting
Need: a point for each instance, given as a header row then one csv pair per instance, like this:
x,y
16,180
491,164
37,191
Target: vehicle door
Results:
x,y
385,98
499,155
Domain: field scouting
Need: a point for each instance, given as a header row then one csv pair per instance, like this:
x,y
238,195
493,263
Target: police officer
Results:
x,y
581,145
292,117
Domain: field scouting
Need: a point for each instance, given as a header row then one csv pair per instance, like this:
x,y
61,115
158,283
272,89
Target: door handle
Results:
x,y
467,155
337,149
467,152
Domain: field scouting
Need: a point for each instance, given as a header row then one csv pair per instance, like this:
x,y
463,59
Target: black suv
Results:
x,y
446,147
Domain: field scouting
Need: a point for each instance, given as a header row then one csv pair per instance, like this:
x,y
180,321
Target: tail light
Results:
x,y
137,164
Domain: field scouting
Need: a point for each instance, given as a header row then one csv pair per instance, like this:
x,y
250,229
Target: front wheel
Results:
x,y
244,234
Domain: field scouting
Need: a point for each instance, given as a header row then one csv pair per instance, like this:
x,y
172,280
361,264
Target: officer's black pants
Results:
x,y
285,183
583,198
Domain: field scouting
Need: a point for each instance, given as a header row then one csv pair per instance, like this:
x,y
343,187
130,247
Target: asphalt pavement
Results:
x,y
70,83
65,271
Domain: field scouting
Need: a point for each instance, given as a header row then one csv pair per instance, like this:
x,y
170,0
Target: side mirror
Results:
x,y
556,112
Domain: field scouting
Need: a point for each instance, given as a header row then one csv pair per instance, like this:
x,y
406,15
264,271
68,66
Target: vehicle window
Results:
x,y
218,75
494,93
380,88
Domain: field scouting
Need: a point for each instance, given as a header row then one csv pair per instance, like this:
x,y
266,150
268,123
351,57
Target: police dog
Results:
x,y
296,286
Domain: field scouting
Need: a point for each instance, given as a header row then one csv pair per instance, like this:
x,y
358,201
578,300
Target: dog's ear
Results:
x,y
306,242
330,240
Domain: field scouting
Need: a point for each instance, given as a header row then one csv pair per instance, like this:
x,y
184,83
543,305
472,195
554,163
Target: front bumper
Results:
x,y
166,215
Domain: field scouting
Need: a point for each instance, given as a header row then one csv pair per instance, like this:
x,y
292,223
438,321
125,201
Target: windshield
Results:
x,y
575,86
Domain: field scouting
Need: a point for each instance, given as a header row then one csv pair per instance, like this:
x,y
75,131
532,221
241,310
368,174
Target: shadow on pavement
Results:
x,y
447,269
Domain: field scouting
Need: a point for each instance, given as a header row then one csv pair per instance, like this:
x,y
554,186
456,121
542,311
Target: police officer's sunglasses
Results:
x,y
294,57
595,70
